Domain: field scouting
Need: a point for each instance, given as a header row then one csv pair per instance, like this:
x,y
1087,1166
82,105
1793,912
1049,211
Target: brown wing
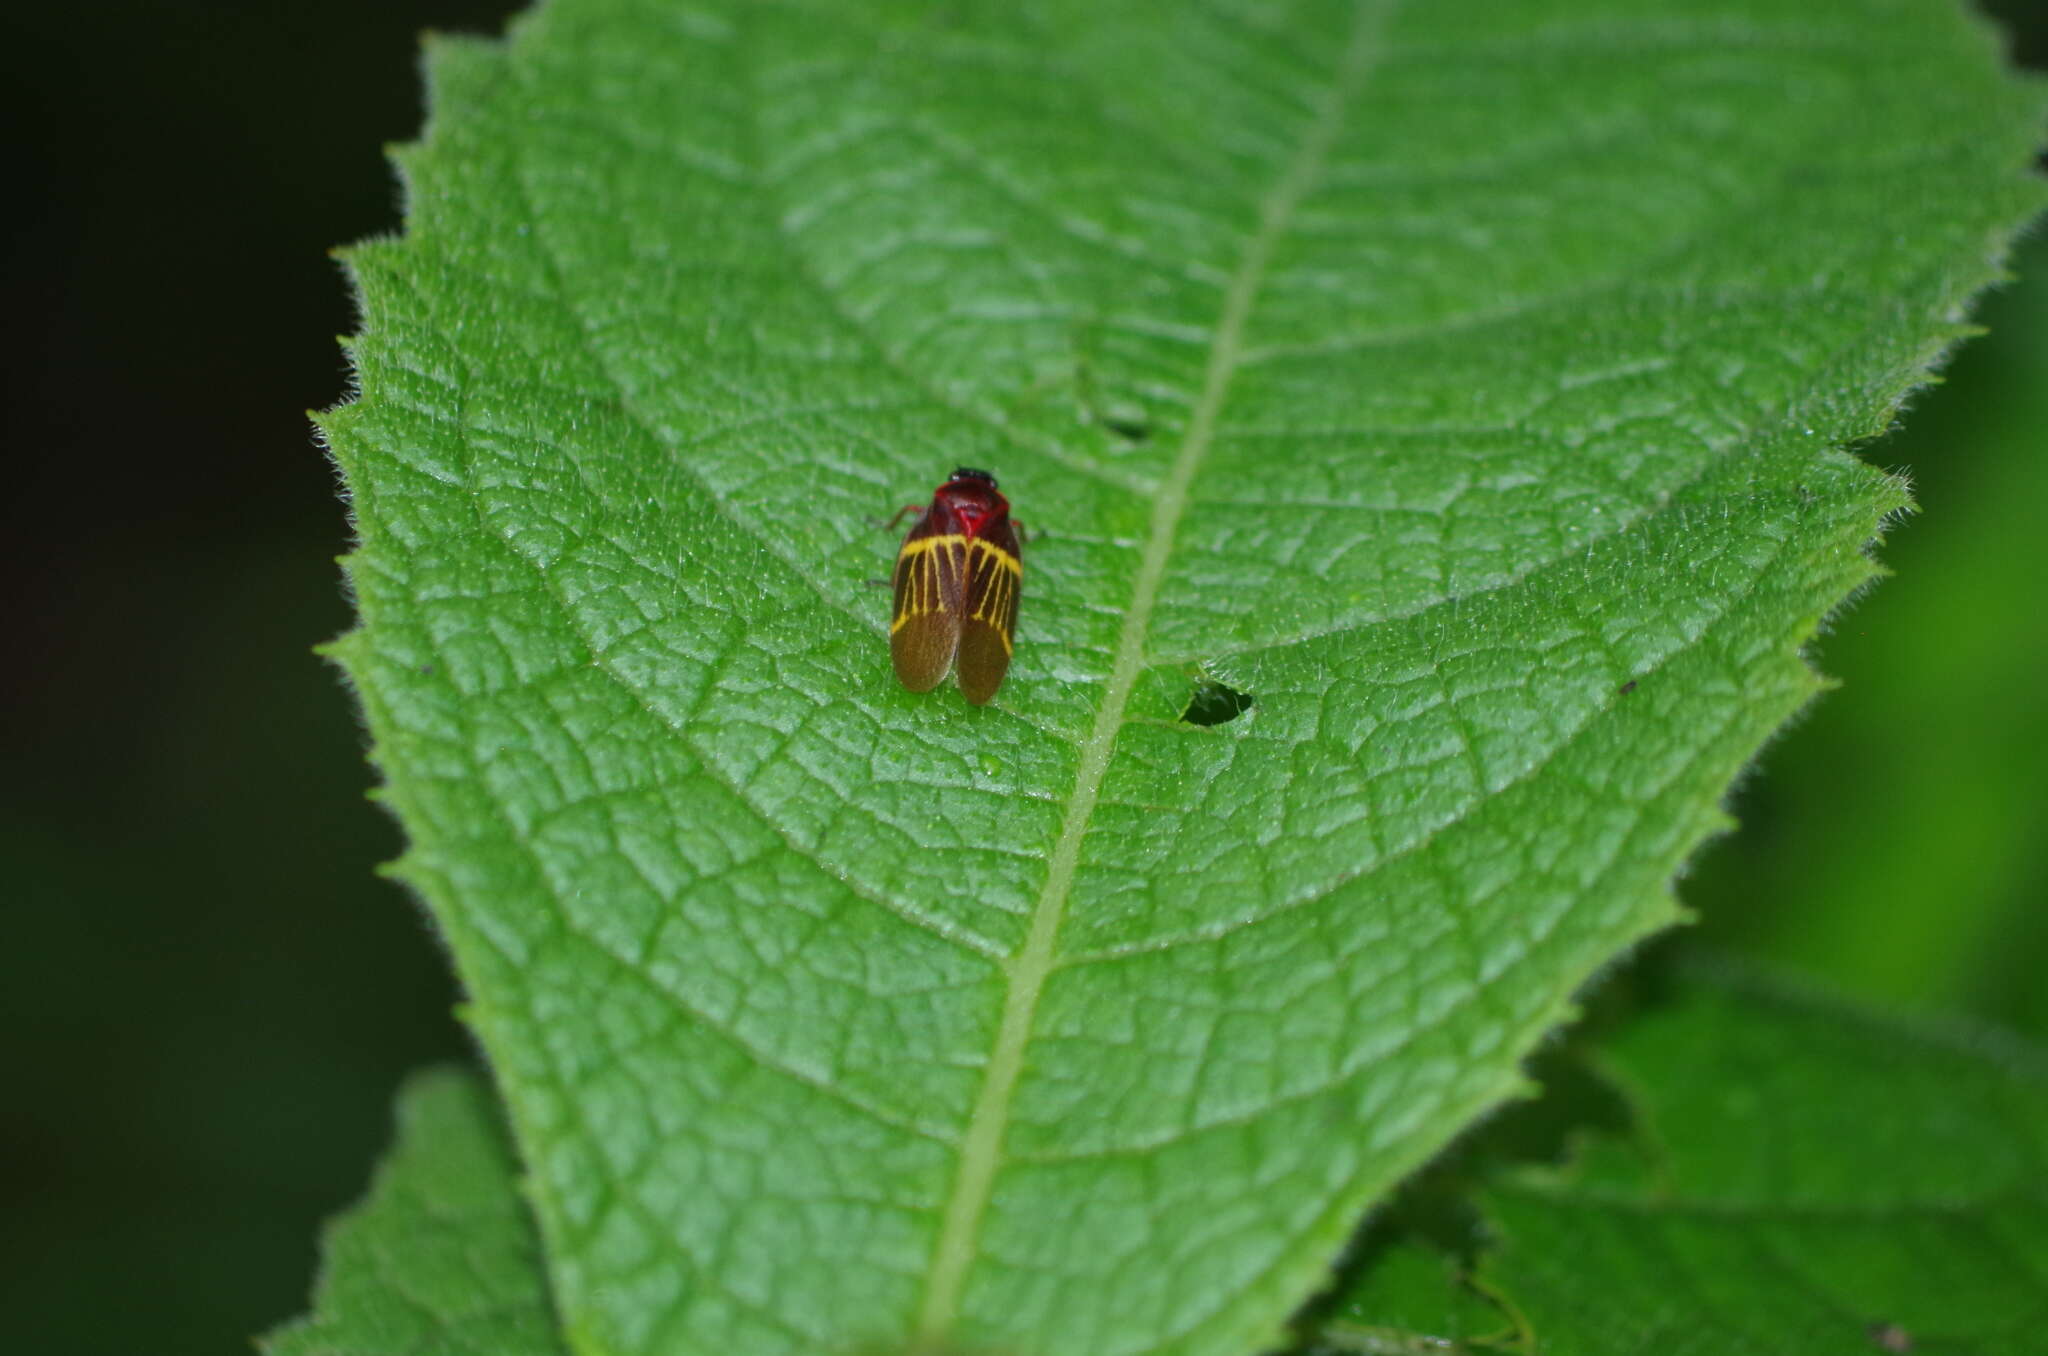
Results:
x,y
924,628
988,626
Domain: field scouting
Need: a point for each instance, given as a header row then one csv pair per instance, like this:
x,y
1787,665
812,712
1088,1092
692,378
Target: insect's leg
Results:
x,y
889,524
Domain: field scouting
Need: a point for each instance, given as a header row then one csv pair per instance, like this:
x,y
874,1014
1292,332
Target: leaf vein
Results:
x,y
958,1241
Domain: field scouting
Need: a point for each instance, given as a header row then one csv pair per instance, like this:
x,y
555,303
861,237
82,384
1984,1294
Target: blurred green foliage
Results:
x,y
1893,839
1724,1164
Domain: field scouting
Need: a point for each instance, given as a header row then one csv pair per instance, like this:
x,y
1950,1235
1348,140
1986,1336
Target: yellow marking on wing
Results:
x,y
998,605
992,595
1003,634
921,546
924,590
983,546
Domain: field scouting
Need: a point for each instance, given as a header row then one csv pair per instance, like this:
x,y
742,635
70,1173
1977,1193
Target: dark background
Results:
x,y
207,996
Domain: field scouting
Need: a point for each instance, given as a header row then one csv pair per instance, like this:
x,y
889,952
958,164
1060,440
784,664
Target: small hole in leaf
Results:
x,y
1131,428
1212,703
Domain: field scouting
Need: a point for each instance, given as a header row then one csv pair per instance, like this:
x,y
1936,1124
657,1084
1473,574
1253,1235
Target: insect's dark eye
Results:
x,y
969,473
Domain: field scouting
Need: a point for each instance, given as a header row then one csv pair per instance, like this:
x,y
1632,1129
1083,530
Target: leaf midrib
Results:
x,y
981,1152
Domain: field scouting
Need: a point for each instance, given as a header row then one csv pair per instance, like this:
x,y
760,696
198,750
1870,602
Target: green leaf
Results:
x,y
1806,1178
1800,1177
442,1259
1457,392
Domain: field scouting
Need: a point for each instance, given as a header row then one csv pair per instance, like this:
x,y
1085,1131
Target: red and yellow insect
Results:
x,y
957,580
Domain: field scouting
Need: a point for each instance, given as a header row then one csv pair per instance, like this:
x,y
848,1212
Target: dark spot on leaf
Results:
x,y
1129,429
1628,687
1212,703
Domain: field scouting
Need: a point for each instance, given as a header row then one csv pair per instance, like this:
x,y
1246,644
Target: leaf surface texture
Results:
x,y
1464,386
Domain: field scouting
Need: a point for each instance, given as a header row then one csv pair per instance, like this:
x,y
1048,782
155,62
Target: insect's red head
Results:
x,y
973,498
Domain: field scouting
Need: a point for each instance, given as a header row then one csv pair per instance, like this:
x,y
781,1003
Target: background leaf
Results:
x,y
442,1259
1810,1177
826,1014
1795,1176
